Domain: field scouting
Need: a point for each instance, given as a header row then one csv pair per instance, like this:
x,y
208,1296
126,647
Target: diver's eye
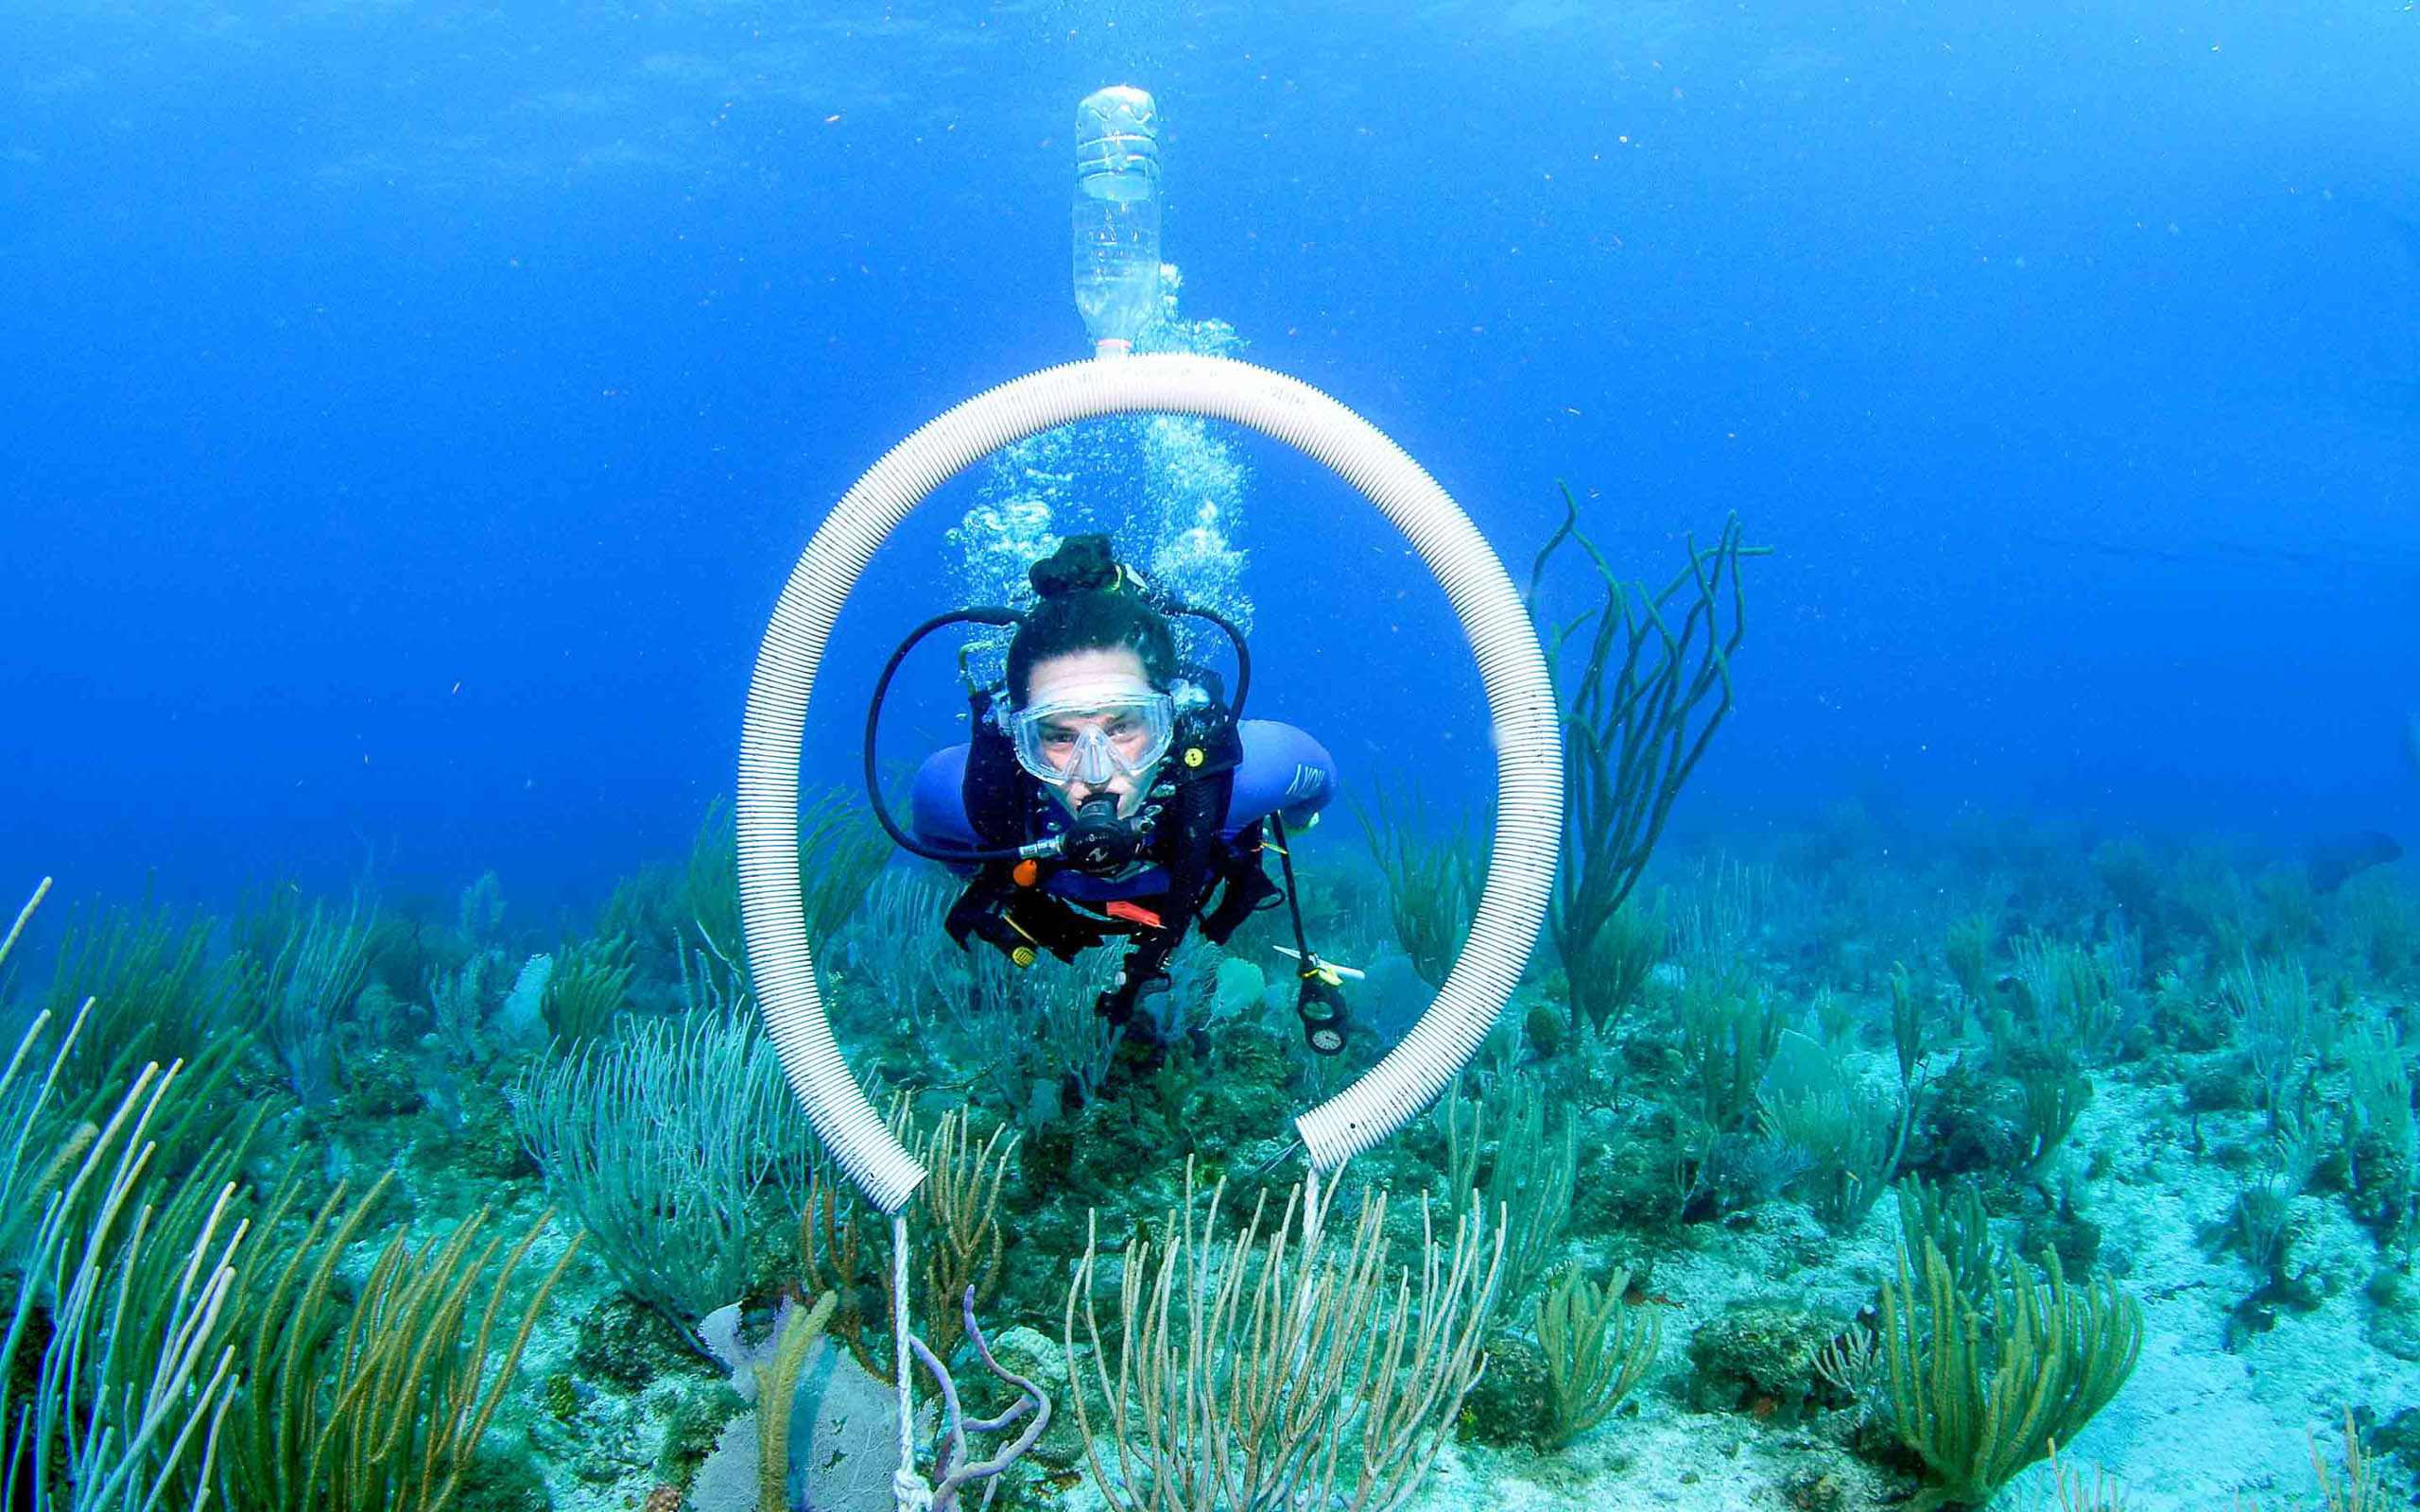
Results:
x,y
1124,726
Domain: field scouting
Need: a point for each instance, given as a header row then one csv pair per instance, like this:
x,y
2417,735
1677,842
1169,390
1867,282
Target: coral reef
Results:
x,y
1882,1161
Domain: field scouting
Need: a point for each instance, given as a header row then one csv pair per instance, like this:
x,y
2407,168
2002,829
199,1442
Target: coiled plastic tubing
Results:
x,y
1521,701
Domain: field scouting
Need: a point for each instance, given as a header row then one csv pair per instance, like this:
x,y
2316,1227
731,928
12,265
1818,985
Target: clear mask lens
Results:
x,y
1093,735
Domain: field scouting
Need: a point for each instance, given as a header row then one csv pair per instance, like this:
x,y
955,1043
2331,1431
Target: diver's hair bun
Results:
x,y
1082,564
1089,602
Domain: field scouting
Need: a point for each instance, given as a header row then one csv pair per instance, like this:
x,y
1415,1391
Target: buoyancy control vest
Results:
x,y
1202,827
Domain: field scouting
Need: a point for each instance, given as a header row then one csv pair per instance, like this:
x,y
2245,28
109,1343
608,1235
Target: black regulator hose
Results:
x,y
986,614
1243,653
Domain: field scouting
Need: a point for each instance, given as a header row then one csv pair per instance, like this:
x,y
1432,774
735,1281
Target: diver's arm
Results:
x,y
937,804
1283,771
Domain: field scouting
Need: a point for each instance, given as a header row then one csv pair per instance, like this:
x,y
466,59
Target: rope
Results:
x,y
908,1488
1314,1218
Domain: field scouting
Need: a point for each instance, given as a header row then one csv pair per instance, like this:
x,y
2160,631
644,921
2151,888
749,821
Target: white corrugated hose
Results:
x,y
1528,764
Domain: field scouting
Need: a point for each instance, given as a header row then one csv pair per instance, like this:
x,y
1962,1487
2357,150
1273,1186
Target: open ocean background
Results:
x,y
409,413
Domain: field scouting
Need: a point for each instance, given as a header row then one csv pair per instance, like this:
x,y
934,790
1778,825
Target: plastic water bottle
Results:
x,y
1117,215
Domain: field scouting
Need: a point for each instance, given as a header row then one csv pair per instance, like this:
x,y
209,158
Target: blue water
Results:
x,y
409,414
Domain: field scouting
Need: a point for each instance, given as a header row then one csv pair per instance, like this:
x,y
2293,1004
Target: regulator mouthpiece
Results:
x,y
1099,840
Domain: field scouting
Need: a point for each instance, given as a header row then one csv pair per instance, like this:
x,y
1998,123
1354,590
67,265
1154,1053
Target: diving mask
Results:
x,y
1093,731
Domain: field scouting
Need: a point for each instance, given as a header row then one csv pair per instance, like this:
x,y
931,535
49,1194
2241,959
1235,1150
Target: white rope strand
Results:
x,y
908,1487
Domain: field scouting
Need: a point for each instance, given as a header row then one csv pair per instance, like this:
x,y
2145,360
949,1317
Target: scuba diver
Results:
x,y
1108,793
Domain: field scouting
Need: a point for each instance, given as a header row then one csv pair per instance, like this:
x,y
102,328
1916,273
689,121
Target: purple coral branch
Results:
x,y
950,1476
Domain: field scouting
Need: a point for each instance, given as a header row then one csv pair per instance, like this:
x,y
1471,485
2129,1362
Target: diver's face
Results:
x,y
1054,675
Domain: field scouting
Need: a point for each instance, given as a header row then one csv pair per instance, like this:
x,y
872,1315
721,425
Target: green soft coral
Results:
x,y
1984,1385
